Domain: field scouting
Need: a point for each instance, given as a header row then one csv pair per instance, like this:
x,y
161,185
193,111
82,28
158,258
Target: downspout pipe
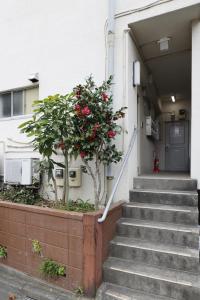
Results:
x,y
3,155
111,52
111,37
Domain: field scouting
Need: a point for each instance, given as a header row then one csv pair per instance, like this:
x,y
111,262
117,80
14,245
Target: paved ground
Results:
x,y
27,288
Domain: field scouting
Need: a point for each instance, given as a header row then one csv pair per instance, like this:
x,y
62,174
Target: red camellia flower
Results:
x,y
77,107
104,97
82,154
86,111
111,134
92,137
78,94
96,127
61,145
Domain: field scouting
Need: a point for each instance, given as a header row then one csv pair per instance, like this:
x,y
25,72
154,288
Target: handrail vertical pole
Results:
x,y
131,144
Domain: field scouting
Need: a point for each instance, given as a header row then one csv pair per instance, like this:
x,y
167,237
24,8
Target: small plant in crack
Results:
x,y
79,291
50,268
36,247
3,251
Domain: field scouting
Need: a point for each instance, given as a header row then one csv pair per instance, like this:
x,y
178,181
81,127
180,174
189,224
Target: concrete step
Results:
x,y
161,282
115,292
157,183
154,254
166,233
178,198
161,213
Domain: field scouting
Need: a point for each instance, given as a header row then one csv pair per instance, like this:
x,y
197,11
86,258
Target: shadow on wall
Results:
x,y
199,204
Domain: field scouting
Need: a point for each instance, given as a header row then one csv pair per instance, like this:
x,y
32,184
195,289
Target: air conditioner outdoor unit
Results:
x,y
21,171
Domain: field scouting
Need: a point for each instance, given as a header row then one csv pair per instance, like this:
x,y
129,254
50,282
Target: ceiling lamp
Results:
x,y
164,43
173,99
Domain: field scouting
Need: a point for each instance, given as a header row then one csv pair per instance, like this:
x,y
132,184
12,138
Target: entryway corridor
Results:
x,y
155,255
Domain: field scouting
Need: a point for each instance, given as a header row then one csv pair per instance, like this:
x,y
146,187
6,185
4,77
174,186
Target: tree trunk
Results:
x,y
99,179
96,188
67,178
65,197
55,188
96,196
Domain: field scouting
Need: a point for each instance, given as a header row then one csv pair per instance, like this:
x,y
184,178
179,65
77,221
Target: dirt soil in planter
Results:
x,y
30,196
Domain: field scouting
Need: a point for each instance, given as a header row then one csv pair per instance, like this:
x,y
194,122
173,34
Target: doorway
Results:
x,y
164,114
177,146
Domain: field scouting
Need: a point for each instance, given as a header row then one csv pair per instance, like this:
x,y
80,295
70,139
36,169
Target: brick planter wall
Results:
x,y
75,240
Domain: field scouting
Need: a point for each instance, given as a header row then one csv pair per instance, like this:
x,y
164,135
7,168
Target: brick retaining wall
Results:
x,y
75,240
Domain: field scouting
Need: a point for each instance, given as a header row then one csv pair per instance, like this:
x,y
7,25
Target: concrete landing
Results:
x,y
25,287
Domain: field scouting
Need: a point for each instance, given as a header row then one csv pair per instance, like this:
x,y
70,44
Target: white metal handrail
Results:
x,y
130,147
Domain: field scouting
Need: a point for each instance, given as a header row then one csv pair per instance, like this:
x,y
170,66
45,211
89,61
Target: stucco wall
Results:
x,y
64,42
195,144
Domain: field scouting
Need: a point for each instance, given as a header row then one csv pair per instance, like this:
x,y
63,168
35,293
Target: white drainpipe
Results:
x,y
111,52
3,154
111,36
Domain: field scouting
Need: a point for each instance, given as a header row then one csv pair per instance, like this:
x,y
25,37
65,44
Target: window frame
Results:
x,y
23,89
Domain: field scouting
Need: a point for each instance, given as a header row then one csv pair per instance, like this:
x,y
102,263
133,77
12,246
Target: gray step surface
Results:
x,y
179,184
161,213
178,198
166,233
115,292
161,282
155,255
169,257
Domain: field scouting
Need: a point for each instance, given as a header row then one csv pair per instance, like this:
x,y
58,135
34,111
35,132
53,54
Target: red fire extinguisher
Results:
x,y
156,168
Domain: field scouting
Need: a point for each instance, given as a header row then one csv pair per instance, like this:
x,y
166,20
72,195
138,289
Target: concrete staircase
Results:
x,y
155,255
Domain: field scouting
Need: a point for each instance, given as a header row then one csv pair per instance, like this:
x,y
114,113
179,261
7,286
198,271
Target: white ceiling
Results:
x,y
171,70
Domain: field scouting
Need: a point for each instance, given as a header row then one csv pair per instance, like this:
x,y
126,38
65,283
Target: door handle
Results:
x,y
167,148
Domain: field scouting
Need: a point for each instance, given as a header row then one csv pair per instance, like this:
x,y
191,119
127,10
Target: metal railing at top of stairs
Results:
x,y
124,162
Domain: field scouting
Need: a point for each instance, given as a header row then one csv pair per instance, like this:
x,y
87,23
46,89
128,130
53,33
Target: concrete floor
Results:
x,y
25,287
167,175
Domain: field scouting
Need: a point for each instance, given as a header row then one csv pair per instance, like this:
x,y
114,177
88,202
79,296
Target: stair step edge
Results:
x,y
168,275
123,293
159,225
188,209
149,246
171,192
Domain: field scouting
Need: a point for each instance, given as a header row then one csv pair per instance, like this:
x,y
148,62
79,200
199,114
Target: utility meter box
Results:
x,y
75,177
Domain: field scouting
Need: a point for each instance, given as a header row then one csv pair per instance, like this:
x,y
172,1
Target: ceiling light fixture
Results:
x,y
164,43
173,99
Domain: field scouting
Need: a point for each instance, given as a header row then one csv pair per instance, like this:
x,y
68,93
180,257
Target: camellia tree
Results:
x,y
95,128
52,130
83,124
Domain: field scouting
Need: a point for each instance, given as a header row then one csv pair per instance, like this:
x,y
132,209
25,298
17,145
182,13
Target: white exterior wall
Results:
x,y
61,40
65,42
195,124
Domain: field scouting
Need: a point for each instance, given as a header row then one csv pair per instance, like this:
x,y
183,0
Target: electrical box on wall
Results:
x,y
75,177
59,175
152,128
182,114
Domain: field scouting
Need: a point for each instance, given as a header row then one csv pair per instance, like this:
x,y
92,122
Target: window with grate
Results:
x,y
18,102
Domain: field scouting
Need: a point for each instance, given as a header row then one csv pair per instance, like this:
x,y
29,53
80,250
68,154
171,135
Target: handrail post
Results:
x,y
130,147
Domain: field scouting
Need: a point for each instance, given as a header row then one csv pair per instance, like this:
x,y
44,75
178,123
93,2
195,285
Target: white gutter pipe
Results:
x,y
111,52
3,155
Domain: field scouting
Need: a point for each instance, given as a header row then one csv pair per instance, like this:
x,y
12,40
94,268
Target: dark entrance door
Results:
x,y
177,146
